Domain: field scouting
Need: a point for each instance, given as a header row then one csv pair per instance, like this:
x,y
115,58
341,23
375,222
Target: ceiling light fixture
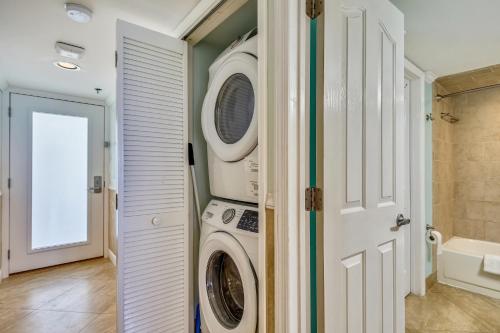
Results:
x,y
78,13
67,66
69,50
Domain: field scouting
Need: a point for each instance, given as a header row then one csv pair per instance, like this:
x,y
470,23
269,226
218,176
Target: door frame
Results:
x,y
291,124
193,21
5,166
416,78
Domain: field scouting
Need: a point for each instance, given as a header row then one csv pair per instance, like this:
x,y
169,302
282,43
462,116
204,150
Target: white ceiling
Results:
x,y
451,36
29,29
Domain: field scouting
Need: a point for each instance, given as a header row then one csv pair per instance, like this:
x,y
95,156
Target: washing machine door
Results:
x,y
227,286
229,114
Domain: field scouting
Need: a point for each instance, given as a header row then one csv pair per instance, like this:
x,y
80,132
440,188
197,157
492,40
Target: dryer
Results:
x,y
228,263
229,121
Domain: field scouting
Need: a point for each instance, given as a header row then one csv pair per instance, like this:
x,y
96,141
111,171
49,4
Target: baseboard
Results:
x,y
112,257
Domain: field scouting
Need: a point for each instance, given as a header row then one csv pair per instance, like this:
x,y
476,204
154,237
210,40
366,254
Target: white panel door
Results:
x,y
56,152
364,166
153,226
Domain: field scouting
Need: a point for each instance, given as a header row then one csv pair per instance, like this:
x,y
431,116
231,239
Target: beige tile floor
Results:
x,y
450,310
81,297
77,297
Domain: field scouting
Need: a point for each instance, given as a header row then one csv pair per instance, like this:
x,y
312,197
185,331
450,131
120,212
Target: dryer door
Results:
x,y
228,286
229,115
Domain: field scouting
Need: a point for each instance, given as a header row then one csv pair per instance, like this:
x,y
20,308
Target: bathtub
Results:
x,y
460,264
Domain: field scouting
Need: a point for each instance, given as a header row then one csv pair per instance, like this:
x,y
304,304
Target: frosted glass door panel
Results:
x,y
59,180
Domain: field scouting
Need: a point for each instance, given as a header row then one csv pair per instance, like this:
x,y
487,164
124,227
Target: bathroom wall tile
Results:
x,y
492,171
492,191
468,228
469,170
493,149
491,134
435,191
476,162
492,231
459,211
474,190
474,210
491,211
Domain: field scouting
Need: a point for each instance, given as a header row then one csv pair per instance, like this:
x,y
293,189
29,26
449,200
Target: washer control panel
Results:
x,y
249,221
232,216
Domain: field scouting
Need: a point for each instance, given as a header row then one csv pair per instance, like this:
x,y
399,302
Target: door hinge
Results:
x,y
8,254
9,183
10,111
116,201
314,199
116,59
314,8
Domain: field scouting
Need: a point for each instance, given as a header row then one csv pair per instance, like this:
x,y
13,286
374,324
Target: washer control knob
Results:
x,y
228,215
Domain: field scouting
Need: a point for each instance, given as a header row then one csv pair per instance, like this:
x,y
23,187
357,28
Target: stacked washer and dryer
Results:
x,y
228,260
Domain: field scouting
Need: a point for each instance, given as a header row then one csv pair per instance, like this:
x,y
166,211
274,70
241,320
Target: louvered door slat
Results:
x,y
153,249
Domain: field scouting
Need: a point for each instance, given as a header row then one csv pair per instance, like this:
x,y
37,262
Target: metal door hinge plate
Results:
x,y
9,183
10,111
116,59
314,199
8,254
314,8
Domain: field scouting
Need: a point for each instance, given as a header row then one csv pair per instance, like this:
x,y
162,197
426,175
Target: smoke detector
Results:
x,y
69,50
78,13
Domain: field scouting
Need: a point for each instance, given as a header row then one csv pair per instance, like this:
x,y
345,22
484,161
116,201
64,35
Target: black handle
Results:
x,y
401,220
190,154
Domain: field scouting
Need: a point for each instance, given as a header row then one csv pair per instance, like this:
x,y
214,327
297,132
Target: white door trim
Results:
x,y
262,70
416,78
202,10
291,246
5,161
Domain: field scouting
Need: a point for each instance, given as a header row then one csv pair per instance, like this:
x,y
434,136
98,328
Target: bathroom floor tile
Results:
x,y
446,309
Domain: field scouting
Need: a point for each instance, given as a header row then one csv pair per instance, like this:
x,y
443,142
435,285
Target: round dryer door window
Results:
x,y
227,285
229,114
234,108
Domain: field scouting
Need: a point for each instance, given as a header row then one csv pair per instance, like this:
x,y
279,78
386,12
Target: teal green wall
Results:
x,y
428,172
312,176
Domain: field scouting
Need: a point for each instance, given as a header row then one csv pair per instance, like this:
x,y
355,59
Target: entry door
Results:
x,y
56,194
364,166
154,248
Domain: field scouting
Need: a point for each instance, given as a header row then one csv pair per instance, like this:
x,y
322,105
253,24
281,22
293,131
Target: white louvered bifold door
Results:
x,y
153,224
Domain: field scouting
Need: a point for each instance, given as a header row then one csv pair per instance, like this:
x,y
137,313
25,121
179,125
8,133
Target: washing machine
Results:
x,y
229,121
228,262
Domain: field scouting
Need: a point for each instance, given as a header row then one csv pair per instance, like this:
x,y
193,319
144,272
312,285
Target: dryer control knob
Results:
x,y
228,215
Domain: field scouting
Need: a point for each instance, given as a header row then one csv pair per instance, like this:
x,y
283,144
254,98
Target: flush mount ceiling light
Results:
x,y
78,13
67,66
69,50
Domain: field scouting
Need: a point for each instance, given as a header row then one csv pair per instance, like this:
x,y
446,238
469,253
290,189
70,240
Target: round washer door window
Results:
x,y
225,289
229,114
234,108
227,285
